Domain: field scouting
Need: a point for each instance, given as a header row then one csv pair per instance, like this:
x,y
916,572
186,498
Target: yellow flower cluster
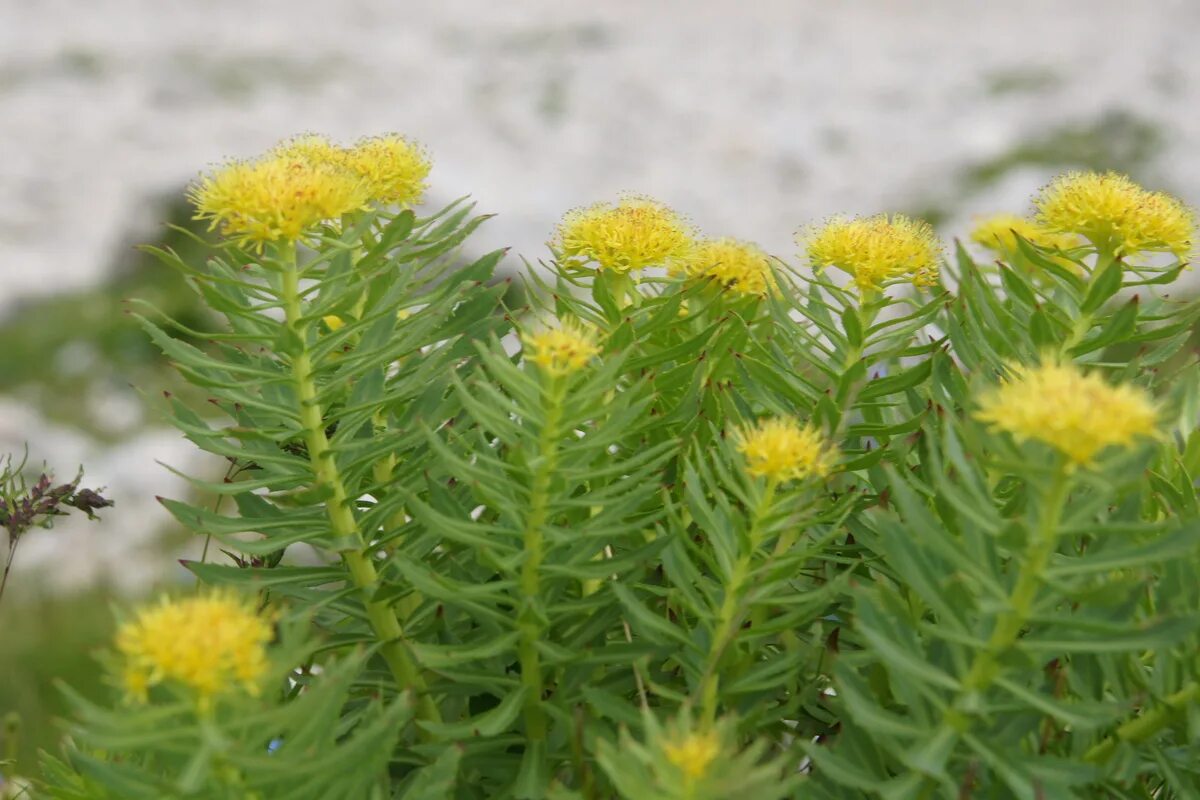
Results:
x,y
1077,414
693,754
740,267
999,234
211,644
1115,214
875,250
634,233
307,181
561,351
393,169
275,198
782,449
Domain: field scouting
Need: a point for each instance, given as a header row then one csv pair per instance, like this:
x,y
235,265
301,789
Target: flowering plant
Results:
x,y
687,523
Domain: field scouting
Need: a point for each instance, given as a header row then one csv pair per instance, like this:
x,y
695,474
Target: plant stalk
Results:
x,y
1143,727
341,518
530,625
729,617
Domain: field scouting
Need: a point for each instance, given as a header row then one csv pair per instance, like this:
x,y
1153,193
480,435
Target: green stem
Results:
x,y
729,616
1143,727
1083,323
1029,577
865,312
341,517
530,624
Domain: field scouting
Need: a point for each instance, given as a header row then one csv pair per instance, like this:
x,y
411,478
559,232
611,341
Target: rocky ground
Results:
x,y
754,118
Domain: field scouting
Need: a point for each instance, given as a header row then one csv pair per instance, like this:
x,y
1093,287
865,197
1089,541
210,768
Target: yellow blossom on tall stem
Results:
x,y
275,199
630,235
876,250
1116,215
210,644
393,168
1078,414
561,351
781,449
740,267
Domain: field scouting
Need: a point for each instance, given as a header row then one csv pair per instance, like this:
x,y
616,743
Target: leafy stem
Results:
x,y
530,623
1143,727
343,524
729,616
985,666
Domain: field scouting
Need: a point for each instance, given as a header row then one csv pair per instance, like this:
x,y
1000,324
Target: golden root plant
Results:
x,y
676,519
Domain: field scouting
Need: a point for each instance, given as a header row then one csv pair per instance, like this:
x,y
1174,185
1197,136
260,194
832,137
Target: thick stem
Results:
x,y
341,518
1083,323
530,623
1143,727
1020,602
729,616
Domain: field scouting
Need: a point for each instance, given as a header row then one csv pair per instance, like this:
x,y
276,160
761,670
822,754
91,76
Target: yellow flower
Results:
x,y
997,234
635,233
781,449
1115,214
1078,414
741,267
275,198
212,644
561,351
694,753
875,250
311,147
393,167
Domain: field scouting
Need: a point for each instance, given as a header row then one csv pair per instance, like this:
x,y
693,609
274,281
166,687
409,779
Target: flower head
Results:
x,y
1116,214
277,198
1077,414
561,351
311,147
999,234
694,753
740,267
875,250
782,449
636,232
210,644
393,168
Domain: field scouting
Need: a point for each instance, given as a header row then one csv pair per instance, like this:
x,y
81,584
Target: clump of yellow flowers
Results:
x,y
1078,414
305,182
393,168
693,754
210,644
875,250
561,351
1115,214
275,199
635,233
740,267
999,234
781,449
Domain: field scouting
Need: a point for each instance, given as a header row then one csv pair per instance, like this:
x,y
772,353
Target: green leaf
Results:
x,y
490,723
1102,286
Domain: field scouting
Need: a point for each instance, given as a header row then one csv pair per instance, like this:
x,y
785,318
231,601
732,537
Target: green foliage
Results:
x,y
521,582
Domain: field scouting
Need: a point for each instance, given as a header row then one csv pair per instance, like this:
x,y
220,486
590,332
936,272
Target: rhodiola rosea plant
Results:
x,y
690,522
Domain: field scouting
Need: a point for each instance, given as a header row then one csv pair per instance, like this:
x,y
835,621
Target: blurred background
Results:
x,y
754,118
